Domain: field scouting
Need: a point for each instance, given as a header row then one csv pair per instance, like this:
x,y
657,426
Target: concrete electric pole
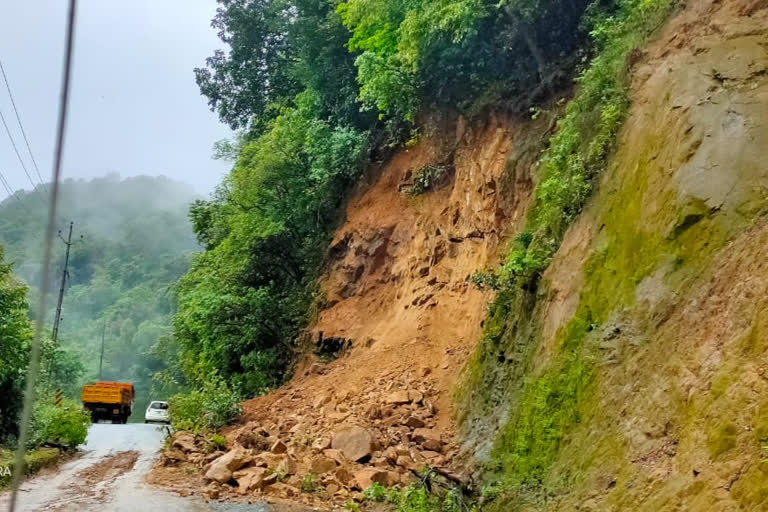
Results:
x,y
64,277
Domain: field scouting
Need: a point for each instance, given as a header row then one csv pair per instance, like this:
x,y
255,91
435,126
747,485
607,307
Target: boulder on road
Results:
x,y
287,466
420,435
249,479
356,443
321,443
174,455
321,464
278,447
221,469
185,442
414,422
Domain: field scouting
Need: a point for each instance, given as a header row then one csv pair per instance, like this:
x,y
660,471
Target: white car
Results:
x,y
157,412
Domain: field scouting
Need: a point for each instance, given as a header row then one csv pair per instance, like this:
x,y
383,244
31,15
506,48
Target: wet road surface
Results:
x,y
110,475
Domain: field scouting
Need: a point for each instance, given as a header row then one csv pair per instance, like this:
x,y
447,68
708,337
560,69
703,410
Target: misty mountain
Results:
x,y
132,241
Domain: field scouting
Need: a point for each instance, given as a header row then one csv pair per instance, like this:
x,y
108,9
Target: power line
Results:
x,y
21,125
42,189
16,150
34,358
13,194
6,185
21,160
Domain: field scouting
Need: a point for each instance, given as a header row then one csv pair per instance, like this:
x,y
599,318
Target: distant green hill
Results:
x,y
137,242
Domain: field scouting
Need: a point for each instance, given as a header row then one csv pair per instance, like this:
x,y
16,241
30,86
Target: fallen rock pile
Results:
x,y
324,447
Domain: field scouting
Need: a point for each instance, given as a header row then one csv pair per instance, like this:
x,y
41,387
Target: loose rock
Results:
x,y
356,443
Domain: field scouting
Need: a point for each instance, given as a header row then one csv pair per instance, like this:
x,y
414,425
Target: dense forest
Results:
x,y
132,241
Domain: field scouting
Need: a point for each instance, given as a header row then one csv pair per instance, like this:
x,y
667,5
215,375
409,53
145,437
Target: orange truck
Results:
x,y
109,401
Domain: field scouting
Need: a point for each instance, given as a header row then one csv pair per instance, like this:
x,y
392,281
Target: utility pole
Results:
x,y
64,276
101,358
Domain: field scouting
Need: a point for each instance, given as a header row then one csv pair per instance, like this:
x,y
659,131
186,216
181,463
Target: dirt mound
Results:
x,y
108,469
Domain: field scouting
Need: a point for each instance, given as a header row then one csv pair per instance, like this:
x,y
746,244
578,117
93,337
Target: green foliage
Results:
x,y
15,336
586,134
417,498
277,49
65,426
218,442
244,299
376,492
208,407
427,178
584,137
452,51
309,483
548,404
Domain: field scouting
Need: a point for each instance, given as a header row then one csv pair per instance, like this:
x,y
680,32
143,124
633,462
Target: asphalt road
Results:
x,y
110,476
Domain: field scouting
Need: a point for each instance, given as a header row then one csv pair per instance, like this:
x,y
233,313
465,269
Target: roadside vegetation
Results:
x,y
549,404
54,430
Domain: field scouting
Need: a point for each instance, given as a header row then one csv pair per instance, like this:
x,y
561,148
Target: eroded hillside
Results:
x,y
631,378
646,340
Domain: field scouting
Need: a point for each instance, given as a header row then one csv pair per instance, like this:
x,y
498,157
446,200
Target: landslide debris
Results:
x,y
342,443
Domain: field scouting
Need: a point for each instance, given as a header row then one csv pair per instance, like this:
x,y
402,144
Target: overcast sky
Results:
x,y
135,107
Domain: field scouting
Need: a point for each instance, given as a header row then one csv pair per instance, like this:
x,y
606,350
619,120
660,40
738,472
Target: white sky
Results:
x,y
135,107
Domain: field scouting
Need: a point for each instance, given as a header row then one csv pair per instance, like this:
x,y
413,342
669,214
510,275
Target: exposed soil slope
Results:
x,y
398,298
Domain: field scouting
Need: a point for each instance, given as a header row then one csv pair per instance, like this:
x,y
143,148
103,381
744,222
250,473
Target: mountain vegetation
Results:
x,y
132,241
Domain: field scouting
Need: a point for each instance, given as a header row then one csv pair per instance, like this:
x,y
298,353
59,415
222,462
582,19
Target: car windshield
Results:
x,y
158,405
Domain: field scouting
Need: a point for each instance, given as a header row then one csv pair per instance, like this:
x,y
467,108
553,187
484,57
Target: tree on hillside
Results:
x,y
15,337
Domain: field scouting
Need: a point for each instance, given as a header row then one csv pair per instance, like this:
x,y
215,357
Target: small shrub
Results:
x,y
428,178
376,492
34,461
212,406
65,426
218,442
486,280
419,499
309,483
